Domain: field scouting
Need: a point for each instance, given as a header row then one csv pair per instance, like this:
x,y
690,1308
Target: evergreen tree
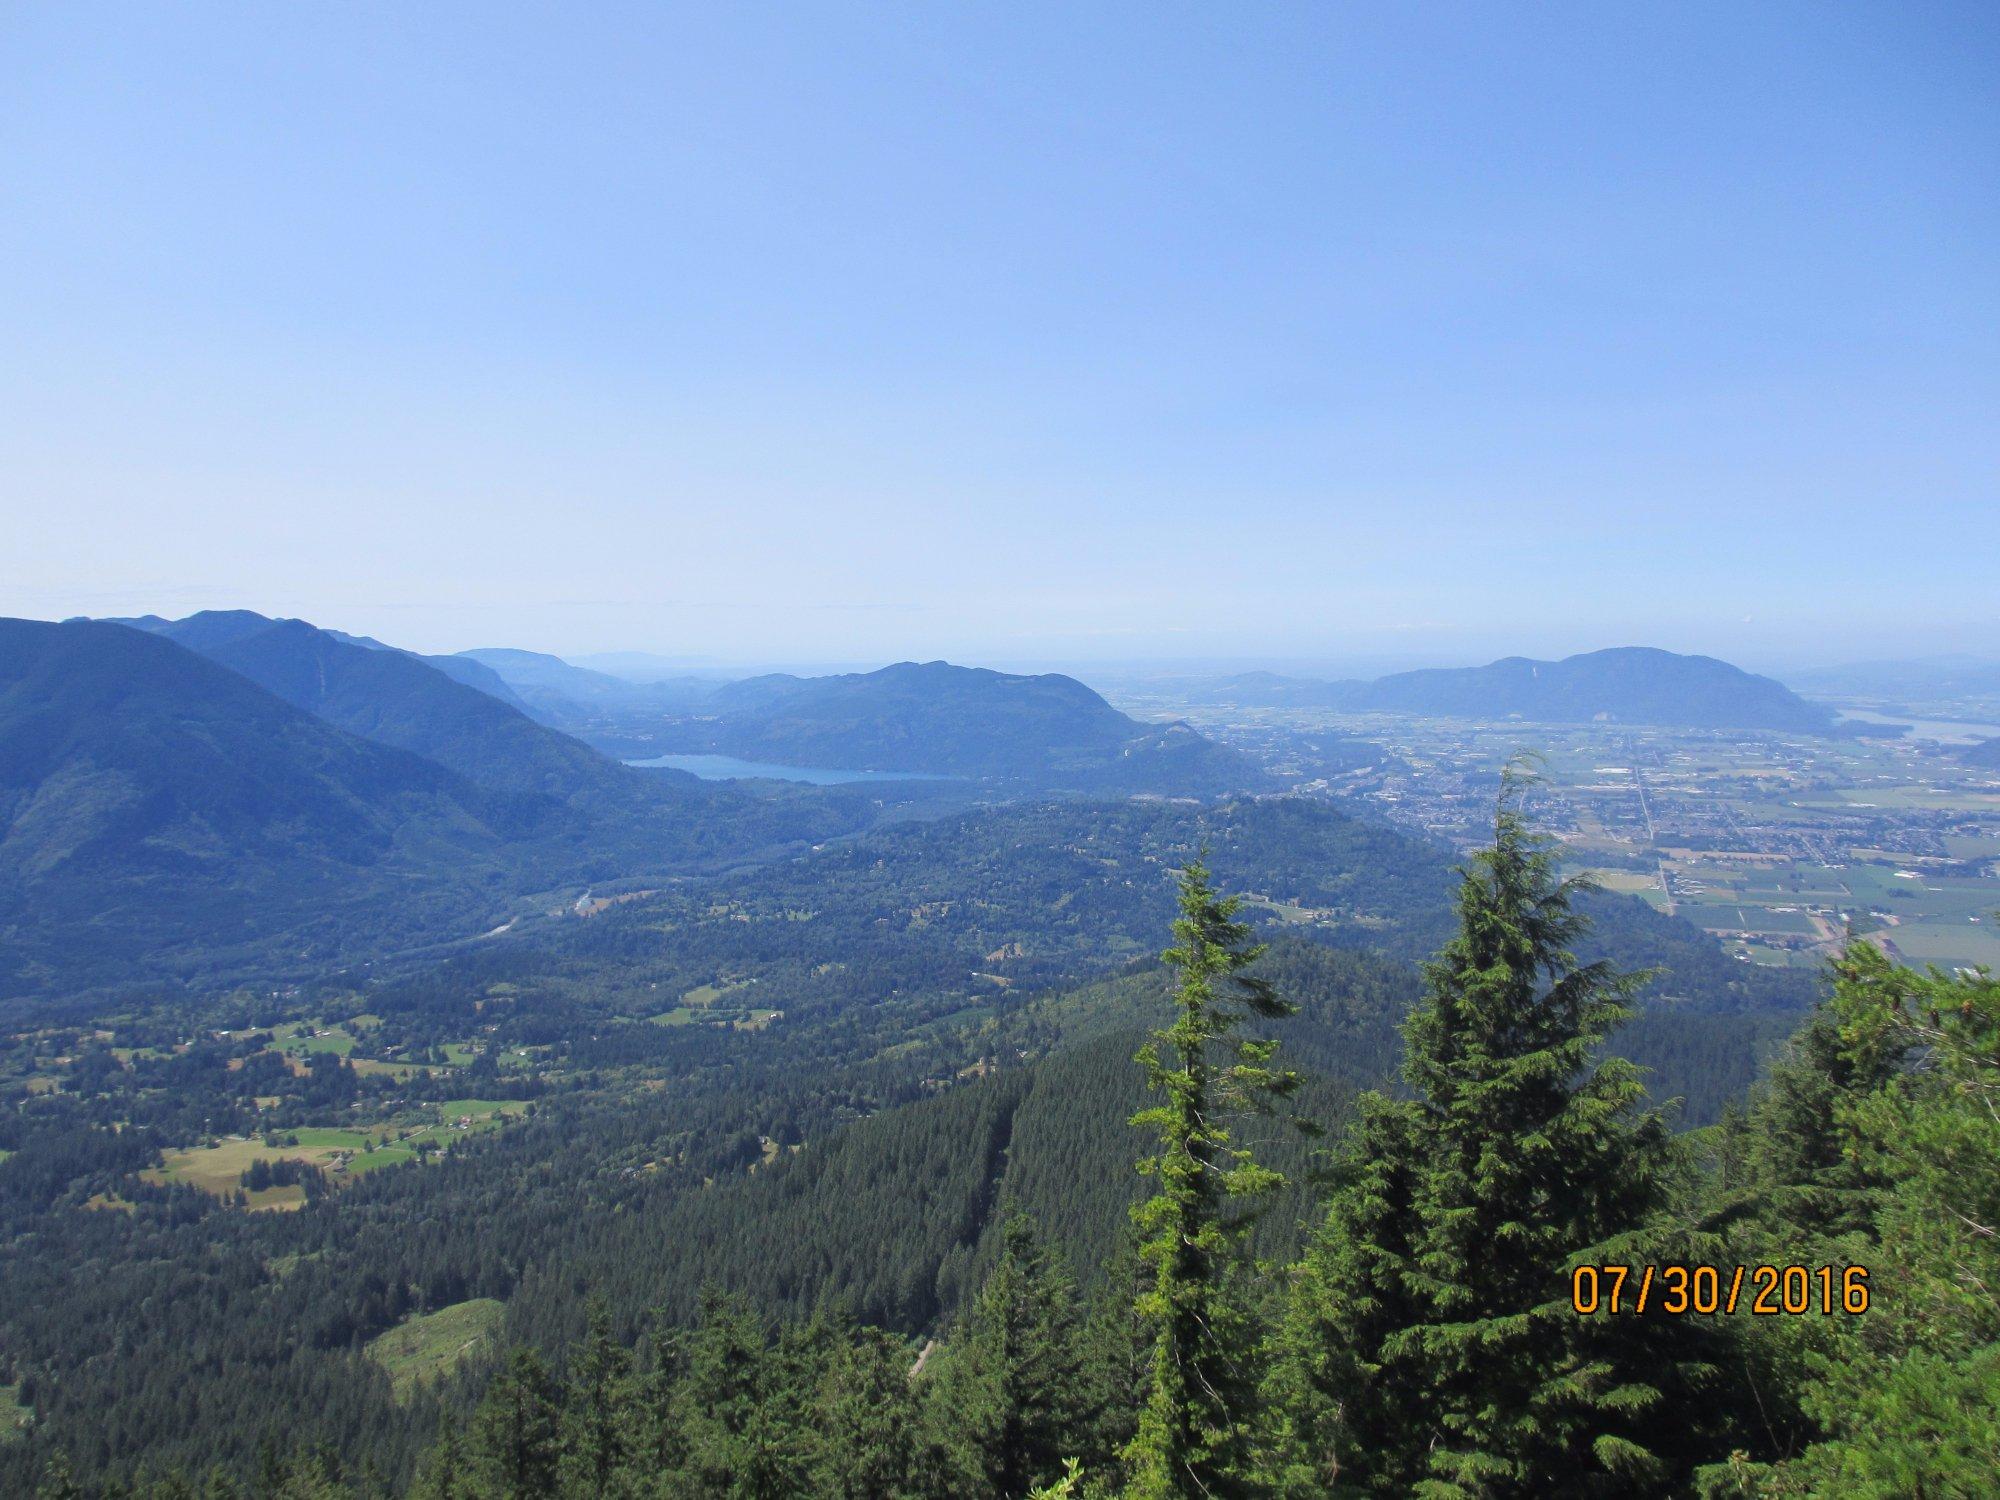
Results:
x,y
1791,1154
516,1432
738,1415
59,1480
442,1475
596,1417
1432,1348
1907,1394
864,1415
1007,1399
1194,1434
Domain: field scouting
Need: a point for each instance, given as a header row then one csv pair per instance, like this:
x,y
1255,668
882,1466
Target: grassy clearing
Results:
x,y
480,1109
316,1139
702,996
14,1417
1628,882
219,1169
399,1070
424,1348
276,1199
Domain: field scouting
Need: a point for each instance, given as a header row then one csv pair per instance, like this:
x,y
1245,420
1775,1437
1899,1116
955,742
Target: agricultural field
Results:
x,y
704,1005
342,1153
422,1349
1773,843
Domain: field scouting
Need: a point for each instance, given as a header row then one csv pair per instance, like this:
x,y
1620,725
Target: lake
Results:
x,y
728,768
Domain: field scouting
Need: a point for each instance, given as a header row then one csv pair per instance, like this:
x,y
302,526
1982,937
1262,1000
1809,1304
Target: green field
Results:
x,y
1627,882
14,1417
424,1348
219,1169
480,1109
1959,944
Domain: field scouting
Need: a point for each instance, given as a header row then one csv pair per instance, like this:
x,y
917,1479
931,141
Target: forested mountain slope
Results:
x,y
160,808
397,699
960,721
169,819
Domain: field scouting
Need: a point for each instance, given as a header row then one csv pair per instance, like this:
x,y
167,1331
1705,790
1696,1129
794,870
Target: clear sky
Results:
x,y
1009,332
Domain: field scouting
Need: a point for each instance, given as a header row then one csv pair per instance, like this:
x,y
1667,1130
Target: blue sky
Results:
x,y
1010,333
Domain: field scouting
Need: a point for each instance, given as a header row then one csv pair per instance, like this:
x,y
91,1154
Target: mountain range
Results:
x,y
465,723
939,719
151,799
1949,675
576,699
1624,685
228,793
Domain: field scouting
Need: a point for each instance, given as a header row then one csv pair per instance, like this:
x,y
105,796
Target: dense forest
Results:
x,y
908,1253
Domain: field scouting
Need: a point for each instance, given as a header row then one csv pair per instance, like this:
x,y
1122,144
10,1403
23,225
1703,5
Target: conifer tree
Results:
x,y
864,1416
1432,1347
1792,1153
1007,1400
1907,1395
59,1480
1195,1429
442,1475
517,1432
596,1417
742,1438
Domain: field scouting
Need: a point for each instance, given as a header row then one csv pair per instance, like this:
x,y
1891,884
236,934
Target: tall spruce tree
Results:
x,y
1195,1434
1907,1395
1008,1401
1432,1346
598,1421
517,1431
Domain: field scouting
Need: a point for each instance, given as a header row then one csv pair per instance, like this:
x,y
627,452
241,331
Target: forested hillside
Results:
x,y
397,699
159,813
820,1084
941,719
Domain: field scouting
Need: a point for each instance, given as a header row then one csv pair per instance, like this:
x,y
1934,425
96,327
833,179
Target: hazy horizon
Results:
x,y
1145,335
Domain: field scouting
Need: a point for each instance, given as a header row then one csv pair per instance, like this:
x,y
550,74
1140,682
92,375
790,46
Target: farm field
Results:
x,y
219,1169
1772,842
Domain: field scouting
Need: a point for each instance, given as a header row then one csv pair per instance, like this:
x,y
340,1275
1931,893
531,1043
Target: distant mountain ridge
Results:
x,y
148,794
284,798
938,718
220,627
1624,685
396,698
572,697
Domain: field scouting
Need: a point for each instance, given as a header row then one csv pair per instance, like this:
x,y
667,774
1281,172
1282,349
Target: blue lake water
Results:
x,y
728,768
